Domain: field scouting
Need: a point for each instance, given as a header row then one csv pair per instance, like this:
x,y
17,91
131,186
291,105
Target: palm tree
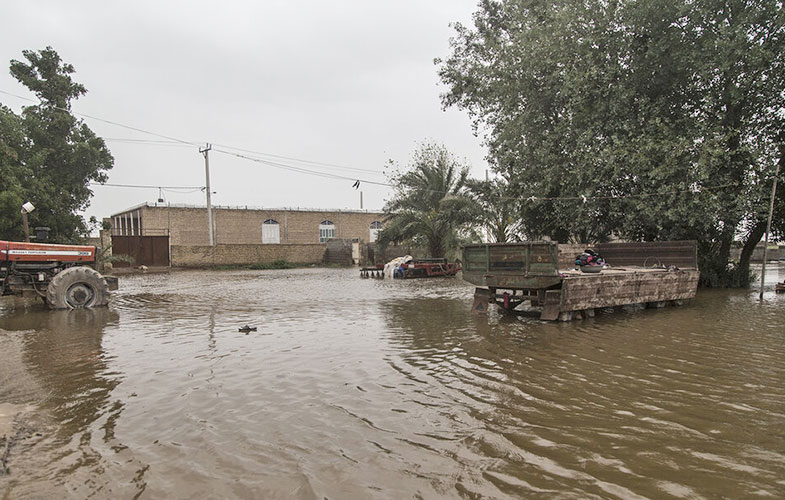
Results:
x,y
498,209
430,205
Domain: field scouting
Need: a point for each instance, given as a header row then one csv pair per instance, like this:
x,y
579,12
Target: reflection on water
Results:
x,y
55,359
356,388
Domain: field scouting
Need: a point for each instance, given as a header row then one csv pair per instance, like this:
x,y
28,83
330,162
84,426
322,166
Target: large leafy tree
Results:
x,y
12,174
430,205
644,120
47,155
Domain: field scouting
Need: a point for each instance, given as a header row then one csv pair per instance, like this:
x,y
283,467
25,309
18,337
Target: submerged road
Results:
x,y
355,388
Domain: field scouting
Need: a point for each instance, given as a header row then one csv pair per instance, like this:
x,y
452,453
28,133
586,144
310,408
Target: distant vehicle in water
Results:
x,y
407,267
427,268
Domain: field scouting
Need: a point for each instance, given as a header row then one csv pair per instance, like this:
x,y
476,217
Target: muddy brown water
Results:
x,y
356,388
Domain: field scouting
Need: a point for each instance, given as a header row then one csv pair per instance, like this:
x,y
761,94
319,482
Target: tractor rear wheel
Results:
x,y
77,288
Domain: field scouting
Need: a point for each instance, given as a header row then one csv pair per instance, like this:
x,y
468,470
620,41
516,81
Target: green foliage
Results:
x,y
276,264
718,274
105,256
667,115
47,156
430,206
12,174
497,209
128,259
260,266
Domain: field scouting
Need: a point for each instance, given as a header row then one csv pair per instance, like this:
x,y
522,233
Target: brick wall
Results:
x,y
188,226
757,254
204,255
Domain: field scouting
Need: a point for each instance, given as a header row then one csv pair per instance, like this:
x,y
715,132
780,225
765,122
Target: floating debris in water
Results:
x,y
246,329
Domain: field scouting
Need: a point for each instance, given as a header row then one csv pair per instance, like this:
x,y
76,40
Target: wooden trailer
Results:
x,y
524,278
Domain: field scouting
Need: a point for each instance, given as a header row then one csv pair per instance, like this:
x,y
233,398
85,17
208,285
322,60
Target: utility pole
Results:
x,y
205,152
361,200
487,229
768,229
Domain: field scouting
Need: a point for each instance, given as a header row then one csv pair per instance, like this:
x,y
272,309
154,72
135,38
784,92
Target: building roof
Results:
x,y
246,207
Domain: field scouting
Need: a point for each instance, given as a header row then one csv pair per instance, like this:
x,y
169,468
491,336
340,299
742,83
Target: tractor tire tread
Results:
x,y
56,291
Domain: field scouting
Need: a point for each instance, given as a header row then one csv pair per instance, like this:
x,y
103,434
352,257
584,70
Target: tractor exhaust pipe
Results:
x,y
26,209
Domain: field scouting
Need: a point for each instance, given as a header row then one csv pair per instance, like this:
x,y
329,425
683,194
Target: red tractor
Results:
x,y
62,275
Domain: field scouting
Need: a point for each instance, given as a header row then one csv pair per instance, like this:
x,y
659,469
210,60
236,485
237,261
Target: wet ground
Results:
x,y
356,388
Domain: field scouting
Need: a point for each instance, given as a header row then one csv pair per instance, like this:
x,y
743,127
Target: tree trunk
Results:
x,y
747,250
436,248
726,241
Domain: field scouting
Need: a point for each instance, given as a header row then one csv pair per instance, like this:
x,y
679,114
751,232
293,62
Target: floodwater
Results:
x,y
355,388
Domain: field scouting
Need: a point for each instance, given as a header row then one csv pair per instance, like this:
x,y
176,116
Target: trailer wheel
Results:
x,y
77,288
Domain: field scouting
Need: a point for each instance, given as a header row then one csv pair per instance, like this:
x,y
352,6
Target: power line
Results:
x,y
128,139
147,142
173,140
311,162
180,141
135,129
530,198
293,168
300,160
302,170
192,189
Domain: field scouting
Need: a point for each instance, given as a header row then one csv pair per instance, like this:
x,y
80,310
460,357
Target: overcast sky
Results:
x,y
347,83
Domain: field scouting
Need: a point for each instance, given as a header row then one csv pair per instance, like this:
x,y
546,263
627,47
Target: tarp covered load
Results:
x,y
391,267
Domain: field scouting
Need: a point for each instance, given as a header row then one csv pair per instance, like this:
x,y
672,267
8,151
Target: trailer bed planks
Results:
x,y
615,288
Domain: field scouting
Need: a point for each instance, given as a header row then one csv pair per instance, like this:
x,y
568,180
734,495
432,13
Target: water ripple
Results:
x,y
356,388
